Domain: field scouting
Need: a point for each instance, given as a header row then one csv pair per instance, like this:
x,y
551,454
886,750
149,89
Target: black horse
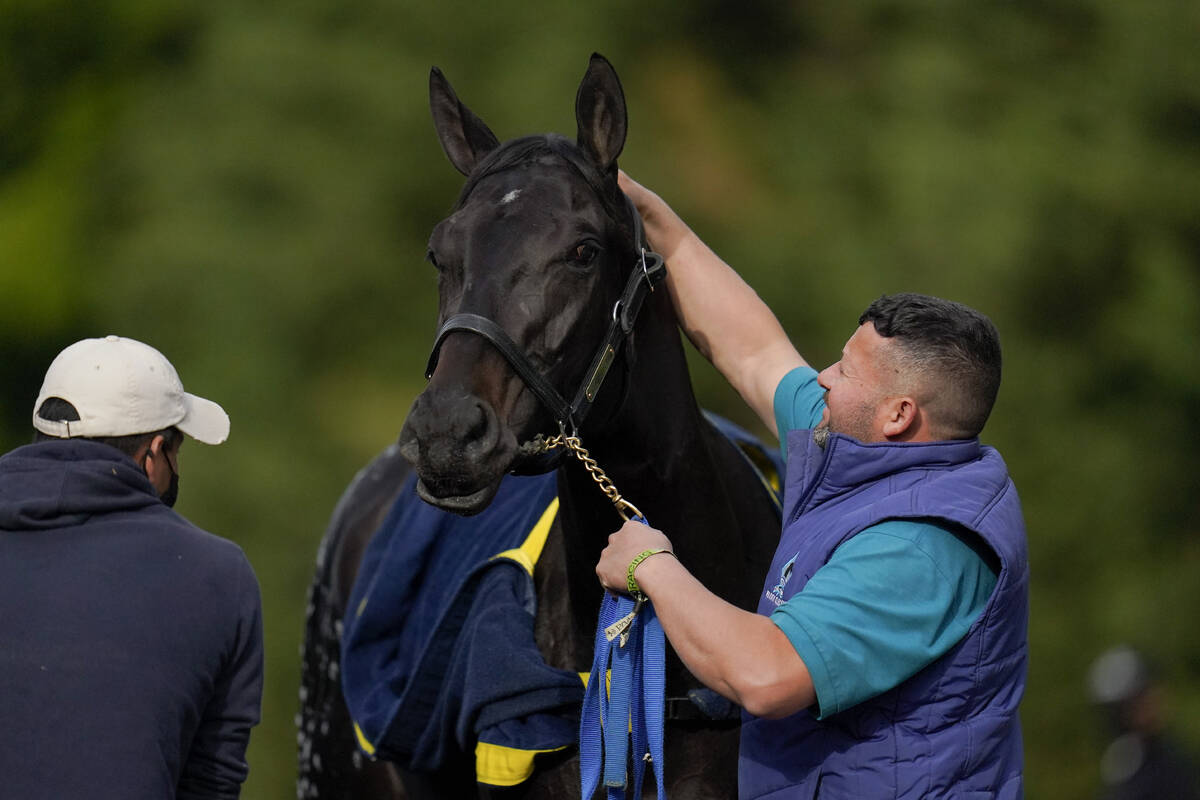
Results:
x,y
540,246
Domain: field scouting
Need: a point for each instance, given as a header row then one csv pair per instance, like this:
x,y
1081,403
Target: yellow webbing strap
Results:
x,y
531,549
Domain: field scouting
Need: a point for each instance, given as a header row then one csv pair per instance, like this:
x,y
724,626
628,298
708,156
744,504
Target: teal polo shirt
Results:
x,y
889,601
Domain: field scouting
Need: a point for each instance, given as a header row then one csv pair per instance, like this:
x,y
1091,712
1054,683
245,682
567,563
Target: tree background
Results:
x,y
249,185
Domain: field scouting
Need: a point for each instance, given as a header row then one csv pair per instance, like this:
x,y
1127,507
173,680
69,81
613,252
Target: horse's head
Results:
x,y
530,266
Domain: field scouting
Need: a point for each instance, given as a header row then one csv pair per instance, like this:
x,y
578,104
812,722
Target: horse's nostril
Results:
x,y
479,421
443,428
481,427
410,449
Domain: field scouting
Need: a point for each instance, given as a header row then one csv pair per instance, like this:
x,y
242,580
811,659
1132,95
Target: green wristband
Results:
x,y
631,582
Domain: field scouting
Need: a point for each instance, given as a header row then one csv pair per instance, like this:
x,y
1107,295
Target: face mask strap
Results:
x,y
172,493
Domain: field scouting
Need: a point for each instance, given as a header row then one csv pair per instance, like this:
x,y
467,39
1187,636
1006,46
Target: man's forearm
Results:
x,y
742,655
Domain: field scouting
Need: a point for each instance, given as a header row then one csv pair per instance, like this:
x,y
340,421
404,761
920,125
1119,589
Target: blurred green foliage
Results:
x,y
249,186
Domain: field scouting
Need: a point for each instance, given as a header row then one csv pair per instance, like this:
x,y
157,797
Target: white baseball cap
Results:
x,y
121,387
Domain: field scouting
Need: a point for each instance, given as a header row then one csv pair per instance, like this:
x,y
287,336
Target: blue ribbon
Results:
x,y
631,709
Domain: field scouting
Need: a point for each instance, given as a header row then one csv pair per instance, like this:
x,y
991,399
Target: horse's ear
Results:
x,y
600,113
464,136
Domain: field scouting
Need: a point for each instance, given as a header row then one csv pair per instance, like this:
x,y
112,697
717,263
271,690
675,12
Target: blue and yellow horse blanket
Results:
x,y
438,651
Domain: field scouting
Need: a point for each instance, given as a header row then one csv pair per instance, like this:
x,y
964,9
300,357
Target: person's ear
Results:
x,y
902,417
154,459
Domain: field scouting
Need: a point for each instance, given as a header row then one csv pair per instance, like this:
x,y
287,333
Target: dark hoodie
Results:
x,y
130,640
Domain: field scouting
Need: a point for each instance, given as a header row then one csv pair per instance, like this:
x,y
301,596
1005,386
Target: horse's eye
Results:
x,y
584,254
432,259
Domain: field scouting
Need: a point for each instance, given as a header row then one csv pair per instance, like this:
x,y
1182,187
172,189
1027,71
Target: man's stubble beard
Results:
x,y
856,424
821,435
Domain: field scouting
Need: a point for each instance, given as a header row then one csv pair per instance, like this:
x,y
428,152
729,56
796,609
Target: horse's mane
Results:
x,y
528,151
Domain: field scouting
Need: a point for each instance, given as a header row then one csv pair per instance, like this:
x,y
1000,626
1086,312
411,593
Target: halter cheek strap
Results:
x,y
645,276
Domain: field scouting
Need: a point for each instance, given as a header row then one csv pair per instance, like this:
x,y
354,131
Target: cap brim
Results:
x,y
205,420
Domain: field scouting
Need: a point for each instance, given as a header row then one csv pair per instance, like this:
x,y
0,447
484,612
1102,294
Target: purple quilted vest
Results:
x,y
952,729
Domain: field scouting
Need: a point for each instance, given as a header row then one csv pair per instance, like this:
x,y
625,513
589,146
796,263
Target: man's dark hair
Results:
x,y
56,409
954,352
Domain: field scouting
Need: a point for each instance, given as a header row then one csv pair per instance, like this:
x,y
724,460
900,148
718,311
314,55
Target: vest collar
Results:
x,y
816,475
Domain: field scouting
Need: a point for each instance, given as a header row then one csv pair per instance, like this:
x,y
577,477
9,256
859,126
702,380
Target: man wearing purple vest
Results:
x,y
888,654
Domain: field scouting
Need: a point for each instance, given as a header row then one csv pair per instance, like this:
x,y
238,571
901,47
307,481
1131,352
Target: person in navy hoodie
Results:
x,y
131,655
887,657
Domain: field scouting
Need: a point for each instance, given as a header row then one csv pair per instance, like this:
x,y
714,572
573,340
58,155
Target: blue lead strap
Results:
x,y
632,708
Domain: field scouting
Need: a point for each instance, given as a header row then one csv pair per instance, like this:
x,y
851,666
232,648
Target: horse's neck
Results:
x,y
655,432
665,458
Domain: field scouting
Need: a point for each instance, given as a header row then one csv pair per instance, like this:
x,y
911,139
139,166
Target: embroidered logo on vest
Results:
x,y
775,595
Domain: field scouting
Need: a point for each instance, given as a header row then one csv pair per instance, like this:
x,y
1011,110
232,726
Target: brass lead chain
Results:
x,y
574,445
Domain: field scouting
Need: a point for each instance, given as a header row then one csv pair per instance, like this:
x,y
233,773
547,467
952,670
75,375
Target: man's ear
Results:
x,y
903,420
140,456
157,446
157,451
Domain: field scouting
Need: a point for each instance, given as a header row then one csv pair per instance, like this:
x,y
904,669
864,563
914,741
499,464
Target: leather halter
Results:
x,y
647,273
